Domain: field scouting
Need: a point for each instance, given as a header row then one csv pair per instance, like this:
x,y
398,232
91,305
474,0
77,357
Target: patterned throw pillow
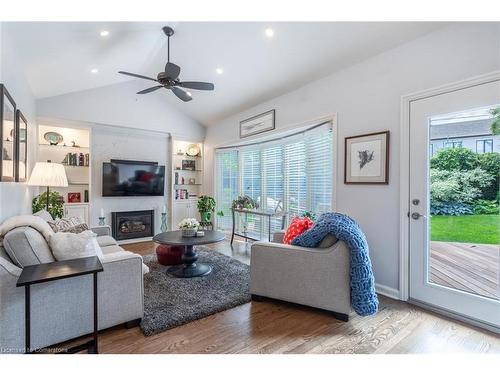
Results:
x,y
68,225
298,226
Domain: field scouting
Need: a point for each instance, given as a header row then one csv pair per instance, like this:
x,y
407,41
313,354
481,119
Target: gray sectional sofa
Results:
x,y
317,277
62,309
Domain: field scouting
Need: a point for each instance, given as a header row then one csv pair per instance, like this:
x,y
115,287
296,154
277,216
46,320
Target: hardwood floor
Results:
x,y
278,327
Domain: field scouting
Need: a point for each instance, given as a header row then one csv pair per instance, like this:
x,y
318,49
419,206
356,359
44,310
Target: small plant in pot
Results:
x,y
189,226
206,205
56,202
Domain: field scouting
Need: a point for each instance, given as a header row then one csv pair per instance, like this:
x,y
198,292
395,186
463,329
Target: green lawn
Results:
x,y
481,229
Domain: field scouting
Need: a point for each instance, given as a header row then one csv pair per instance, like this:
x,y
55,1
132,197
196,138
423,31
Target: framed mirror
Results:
x,y
7,136
22,146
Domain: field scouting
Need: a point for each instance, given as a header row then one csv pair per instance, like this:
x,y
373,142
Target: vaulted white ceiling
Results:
x,y
58,57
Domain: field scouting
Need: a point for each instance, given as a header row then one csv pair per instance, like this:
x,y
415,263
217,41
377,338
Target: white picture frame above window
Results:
x,y
366,159
258,124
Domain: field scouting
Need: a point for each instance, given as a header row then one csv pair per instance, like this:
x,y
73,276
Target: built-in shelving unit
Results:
x,y
75,142
187,180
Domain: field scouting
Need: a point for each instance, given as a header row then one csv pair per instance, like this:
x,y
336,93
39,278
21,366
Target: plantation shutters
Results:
x,y
227,184
294,172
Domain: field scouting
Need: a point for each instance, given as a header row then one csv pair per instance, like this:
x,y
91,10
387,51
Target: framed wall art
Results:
x,y
258,124
21,147
7,135
366,159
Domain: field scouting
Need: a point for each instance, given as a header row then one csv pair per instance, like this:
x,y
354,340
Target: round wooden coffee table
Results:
x,y
189,268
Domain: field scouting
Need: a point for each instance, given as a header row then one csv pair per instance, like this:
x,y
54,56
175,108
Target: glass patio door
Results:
x,y
454,192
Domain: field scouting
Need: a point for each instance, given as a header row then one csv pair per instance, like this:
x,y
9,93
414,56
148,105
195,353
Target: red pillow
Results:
x,y
298,226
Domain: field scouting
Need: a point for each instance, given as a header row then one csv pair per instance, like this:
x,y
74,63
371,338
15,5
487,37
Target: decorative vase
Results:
x,y
102,221
163,227
189,232
205,217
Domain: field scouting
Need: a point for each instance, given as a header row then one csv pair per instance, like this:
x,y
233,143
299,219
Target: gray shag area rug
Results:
x,y
171,302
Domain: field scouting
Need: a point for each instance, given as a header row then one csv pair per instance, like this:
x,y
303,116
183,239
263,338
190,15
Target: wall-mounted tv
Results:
x,y
132,178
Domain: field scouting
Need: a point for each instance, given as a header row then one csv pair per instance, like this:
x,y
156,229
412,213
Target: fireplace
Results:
x,y
126,225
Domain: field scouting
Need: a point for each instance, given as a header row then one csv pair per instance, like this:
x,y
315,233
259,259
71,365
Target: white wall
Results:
x,y
15,198
366,98
114,143
120,106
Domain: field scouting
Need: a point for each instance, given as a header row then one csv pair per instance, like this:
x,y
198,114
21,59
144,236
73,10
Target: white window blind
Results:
x,y
227,184
293,172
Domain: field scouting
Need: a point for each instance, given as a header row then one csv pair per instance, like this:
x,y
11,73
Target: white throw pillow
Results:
x,y
66,246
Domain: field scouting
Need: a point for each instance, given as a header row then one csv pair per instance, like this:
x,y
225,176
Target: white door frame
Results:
x,y
404,162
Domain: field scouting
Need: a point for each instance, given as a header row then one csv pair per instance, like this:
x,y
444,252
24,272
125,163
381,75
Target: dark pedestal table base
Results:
x,y
190,268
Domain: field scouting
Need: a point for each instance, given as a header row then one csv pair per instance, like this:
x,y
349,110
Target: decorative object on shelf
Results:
x,y
193,150
366,159
7,145
81,160
74,198
73,144
244,202
189,227
102,219
56,202
189,165
87,160
163,226
192,181
21,147
86,196
176,178
182,180
180,152
206,205
50,175
258,124
53,138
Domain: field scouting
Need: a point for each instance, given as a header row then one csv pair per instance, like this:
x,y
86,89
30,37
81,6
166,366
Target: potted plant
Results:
x,y
244,202
206,205
189,226
56,202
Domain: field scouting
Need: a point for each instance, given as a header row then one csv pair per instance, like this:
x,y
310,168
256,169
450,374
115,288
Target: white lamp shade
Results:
x,y
48,174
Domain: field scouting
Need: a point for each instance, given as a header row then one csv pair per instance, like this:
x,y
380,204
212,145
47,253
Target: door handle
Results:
x,y
416,216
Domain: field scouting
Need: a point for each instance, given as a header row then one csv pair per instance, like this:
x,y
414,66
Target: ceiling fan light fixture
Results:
x,y
94,70
269,32
104,33
219,71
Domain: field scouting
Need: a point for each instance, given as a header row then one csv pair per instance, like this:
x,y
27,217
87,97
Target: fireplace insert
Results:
x,y
132,224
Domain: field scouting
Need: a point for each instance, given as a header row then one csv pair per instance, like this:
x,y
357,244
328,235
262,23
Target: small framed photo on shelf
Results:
x,y
366,159
74,198
258,124
189,165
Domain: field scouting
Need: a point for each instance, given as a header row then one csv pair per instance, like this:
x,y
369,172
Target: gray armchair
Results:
x,y
317,277
62,309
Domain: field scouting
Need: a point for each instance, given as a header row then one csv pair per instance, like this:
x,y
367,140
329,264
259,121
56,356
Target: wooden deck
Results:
x,y
473,268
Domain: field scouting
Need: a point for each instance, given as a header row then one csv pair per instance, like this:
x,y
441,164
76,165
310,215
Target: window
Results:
x,y
294,173
453,144
484,146
227,184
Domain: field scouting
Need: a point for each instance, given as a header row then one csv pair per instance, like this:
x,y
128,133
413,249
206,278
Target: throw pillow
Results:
x,y
68,224
45,215
298,226
66,246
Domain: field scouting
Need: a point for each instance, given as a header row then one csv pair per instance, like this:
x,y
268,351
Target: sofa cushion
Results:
x,y
26,246
45,215
328,241
4,255
106,241
110,248
75,245
298,226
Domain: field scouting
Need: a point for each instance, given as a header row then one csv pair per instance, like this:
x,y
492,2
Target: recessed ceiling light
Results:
x,y
104,33
189,94
269,32
219,71
94,70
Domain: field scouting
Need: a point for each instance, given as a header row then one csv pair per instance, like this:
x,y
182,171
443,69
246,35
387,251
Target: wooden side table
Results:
x,y
42,273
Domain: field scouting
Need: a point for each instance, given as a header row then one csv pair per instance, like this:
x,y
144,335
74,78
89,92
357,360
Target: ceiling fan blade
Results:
x,y
137,76
197,85
172,71
151,89
181,94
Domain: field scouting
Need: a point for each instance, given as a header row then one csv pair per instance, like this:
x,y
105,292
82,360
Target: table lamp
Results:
x,y
48,174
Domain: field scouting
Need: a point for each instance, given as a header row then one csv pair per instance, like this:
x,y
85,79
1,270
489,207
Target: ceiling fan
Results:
x,y
169,79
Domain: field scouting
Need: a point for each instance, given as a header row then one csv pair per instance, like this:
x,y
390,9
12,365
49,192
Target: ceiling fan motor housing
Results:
x,y
168,30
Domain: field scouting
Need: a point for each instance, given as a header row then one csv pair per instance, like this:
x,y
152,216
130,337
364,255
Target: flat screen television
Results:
x,y
132,178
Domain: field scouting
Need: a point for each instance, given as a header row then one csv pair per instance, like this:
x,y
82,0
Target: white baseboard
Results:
x,y
134,240
387,291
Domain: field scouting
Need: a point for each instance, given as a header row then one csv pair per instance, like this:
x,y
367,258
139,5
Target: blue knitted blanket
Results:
x,y
363,297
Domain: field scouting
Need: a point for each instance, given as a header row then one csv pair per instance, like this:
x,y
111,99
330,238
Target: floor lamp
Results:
x,y
50,175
